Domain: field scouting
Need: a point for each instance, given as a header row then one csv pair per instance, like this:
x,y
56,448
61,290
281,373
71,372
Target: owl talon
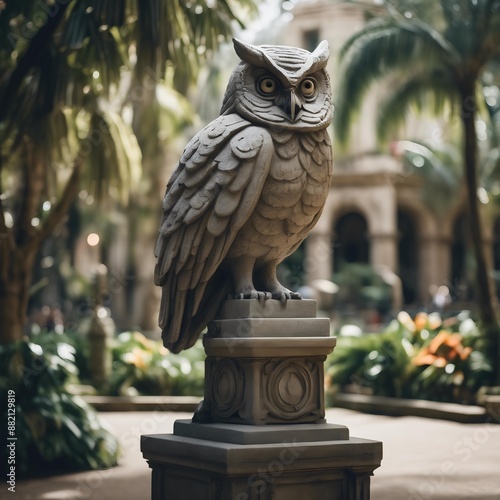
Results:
x,y
254,294
284,295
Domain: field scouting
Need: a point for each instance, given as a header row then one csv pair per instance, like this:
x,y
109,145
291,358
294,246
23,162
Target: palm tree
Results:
x,y
435,66
60,66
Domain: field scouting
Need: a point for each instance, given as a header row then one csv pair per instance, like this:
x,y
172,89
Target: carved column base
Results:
x,y
265,363
264,366
242,462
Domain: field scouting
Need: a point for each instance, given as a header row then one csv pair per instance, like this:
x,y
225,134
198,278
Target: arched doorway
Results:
x,y
408,248
496,254
350,241
458,268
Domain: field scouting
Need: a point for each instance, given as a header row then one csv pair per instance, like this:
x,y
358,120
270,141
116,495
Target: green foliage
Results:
x,y
69,345
143,366
74,77
438,166
431,60
424,358
427,51
55,430
377,361
361,286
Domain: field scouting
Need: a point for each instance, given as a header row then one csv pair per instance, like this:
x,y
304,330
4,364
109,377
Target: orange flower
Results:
x,y
434,320
420,320
442,349
137,357
405,319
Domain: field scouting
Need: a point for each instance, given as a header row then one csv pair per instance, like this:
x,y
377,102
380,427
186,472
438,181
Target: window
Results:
x,y
350,240
310,39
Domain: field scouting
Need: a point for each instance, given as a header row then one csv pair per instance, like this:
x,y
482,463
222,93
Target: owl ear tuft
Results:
x,y
321,55
249,53
255,56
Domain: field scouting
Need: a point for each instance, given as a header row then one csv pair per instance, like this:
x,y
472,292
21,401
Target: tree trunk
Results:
x,y
20,245
146,211
11,317
14,294
484,285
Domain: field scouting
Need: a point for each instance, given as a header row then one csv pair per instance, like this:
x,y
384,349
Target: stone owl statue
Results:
x,y
248,189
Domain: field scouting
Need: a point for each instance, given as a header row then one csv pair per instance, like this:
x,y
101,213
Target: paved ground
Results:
x,y
423,459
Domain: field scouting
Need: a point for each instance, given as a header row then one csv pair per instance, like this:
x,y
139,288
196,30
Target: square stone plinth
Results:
x,y
265,380
264,363
241,308
298,462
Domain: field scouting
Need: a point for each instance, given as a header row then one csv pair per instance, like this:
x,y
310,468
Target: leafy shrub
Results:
x,y
423,358
360,286
52,342
144,366
376,361
54,429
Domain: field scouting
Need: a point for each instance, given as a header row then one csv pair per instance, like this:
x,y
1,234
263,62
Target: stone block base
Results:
x,y
239,462
264,363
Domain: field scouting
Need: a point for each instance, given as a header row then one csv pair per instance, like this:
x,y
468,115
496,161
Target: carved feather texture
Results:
x,y
249,186
204,208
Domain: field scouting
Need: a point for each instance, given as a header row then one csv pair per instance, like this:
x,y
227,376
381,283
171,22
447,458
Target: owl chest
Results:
x,y
300,169
291,199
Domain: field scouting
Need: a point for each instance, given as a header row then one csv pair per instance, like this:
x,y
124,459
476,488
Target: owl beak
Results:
x,y
295,106
290,104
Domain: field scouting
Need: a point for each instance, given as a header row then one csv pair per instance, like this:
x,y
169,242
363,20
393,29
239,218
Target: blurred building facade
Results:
x,y
376,213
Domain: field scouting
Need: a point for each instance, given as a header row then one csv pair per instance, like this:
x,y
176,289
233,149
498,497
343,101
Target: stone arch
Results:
x,y
458,251
432,242
427,225
496,253
350,239
408,254
496,244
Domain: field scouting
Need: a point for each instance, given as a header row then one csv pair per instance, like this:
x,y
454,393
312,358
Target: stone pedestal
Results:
x,y
261,433
265,363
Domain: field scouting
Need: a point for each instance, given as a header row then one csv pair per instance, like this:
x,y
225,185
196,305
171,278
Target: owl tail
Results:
x,y
191,325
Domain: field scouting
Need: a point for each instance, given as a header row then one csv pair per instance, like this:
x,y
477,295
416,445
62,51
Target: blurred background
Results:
x,y
98,99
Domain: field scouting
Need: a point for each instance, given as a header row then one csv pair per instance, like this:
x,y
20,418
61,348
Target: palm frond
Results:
x,y
382,47
392,23
112,157
491,101
470,24
427,90
429,163
183,34
490,171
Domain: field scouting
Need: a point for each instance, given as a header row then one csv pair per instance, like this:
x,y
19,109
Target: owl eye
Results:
x,y
267,86
308,87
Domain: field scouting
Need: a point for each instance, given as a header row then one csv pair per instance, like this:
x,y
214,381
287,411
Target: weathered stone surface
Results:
x,y
261,434
188,468
269,346
247,308
260,390
248,189
263,370
270,327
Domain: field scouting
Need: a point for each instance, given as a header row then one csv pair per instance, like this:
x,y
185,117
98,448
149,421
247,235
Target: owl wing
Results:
x,y
210,196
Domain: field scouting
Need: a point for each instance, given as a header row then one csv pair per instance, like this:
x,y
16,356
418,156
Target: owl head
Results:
x,y
282,87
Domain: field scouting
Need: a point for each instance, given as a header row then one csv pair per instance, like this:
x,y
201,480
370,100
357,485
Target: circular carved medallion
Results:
x,y
289,389
227,388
